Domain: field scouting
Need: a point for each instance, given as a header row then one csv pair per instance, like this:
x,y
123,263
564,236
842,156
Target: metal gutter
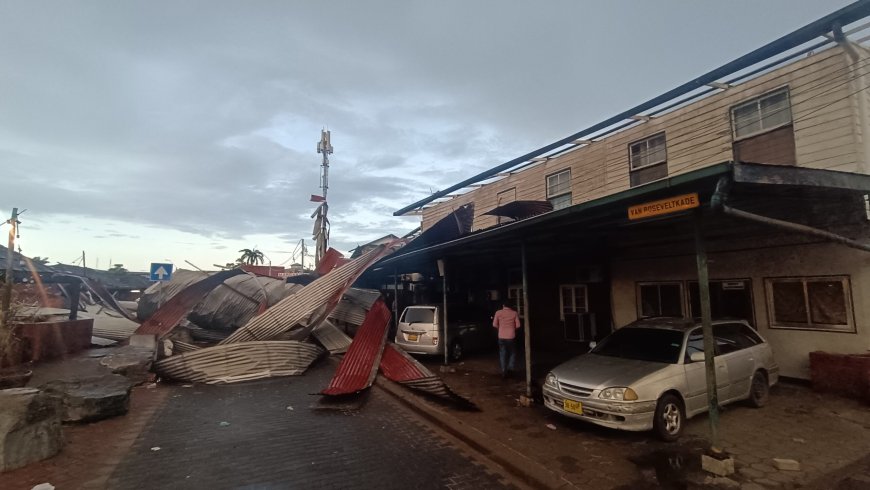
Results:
x,y
820,27
677,180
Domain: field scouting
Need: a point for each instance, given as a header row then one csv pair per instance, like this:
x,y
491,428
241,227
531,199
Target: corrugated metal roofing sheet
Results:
x,y
331,337
397,365
359,366
298,307
240,362
173,311
521,209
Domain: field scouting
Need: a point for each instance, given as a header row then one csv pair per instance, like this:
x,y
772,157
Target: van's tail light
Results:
x,y
434,340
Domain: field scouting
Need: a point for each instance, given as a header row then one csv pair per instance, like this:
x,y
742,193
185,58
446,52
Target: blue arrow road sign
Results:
x,y
161,272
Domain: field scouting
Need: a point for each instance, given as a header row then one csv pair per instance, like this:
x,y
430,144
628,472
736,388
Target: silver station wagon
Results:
x,y
650,375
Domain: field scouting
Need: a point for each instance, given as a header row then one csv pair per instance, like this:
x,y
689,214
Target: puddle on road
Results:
x,y
668,468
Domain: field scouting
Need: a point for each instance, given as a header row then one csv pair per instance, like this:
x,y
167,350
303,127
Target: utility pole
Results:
x,y
321,223
5,313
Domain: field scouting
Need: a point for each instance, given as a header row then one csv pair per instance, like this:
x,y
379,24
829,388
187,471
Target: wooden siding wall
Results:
x,y
824,112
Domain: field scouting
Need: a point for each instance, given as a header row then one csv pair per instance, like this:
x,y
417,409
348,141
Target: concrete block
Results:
x,y
91,399
721,467
786,464
30,427
131,361
145,341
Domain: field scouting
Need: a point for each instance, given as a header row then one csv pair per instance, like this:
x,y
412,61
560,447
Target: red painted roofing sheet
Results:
x,y
359,366
173,311
397,365
329,261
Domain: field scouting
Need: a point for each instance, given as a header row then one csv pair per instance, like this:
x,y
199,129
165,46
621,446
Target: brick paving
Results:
x,y
824,433
244,436
91,451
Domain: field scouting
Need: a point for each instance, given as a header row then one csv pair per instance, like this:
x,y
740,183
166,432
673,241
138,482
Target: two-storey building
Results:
x,y
764,163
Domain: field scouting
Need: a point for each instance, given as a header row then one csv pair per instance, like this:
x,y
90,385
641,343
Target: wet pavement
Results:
x,y
824,433
265,435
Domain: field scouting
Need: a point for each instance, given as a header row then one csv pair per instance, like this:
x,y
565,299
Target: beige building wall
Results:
x,y
827,125
791,347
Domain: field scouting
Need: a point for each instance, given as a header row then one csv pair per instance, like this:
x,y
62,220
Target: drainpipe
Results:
x,y
717,204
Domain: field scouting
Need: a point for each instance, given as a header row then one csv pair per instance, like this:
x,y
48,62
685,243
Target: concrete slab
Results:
x,y
30,427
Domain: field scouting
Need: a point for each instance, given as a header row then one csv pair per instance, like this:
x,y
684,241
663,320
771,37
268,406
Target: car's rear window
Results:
x,y
643,344
419,315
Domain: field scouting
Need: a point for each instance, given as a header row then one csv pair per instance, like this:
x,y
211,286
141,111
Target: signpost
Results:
x,y
161,272
664,206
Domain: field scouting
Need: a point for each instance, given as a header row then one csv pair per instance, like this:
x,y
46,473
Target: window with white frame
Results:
x,y
659,299
572,299
810,303
648,152
515,296
648,160
769,111
559,189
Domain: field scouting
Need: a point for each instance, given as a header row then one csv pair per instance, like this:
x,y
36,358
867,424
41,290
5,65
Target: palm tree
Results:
x,y
251,256
40,260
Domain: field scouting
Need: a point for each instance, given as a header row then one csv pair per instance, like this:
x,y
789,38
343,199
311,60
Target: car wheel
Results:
x,y
669,418
456,351
759,391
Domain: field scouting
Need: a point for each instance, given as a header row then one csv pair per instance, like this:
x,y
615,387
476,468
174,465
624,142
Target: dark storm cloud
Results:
x,y
203,116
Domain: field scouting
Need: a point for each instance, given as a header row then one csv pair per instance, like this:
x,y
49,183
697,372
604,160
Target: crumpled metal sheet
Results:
x,y
331,337
348,312
519,210
354,305
362,297
358,368
330,260
227,307
173,311
314,300
105,297
246,361
397,365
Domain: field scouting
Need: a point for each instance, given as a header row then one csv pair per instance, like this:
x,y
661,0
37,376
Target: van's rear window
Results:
x,y
419,315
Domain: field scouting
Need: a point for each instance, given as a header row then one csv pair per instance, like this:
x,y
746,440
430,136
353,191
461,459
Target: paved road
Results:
x,y
244,436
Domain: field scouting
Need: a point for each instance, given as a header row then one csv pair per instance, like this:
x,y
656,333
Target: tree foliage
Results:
x,y
251,256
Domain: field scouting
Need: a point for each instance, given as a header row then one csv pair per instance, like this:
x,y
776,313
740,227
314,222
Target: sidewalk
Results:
x,y
825,434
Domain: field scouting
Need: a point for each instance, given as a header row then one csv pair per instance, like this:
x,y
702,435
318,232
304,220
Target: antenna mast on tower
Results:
x,y
321,223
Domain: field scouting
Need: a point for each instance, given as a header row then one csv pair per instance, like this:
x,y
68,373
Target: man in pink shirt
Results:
x,y
507,322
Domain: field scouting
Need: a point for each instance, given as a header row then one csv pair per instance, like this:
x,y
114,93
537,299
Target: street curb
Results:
x,y
526,470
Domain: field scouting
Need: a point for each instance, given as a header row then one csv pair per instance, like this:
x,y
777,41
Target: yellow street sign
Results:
x,y
664,206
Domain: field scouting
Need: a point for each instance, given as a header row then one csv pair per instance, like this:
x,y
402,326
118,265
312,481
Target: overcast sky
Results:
x,y
155,131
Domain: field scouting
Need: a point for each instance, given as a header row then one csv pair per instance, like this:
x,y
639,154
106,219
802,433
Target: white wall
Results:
x,y
791,347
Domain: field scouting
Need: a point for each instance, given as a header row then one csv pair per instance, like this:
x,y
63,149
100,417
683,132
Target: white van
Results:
x,y
420,332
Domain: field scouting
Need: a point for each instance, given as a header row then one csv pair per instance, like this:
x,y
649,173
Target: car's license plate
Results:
x,y
412,337
573,406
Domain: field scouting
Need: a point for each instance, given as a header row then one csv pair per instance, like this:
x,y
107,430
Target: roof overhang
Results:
x,y
756,182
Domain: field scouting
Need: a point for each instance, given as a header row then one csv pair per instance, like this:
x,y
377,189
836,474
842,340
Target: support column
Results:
x,y
396,296
75,291
442,268
527,336
707,328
